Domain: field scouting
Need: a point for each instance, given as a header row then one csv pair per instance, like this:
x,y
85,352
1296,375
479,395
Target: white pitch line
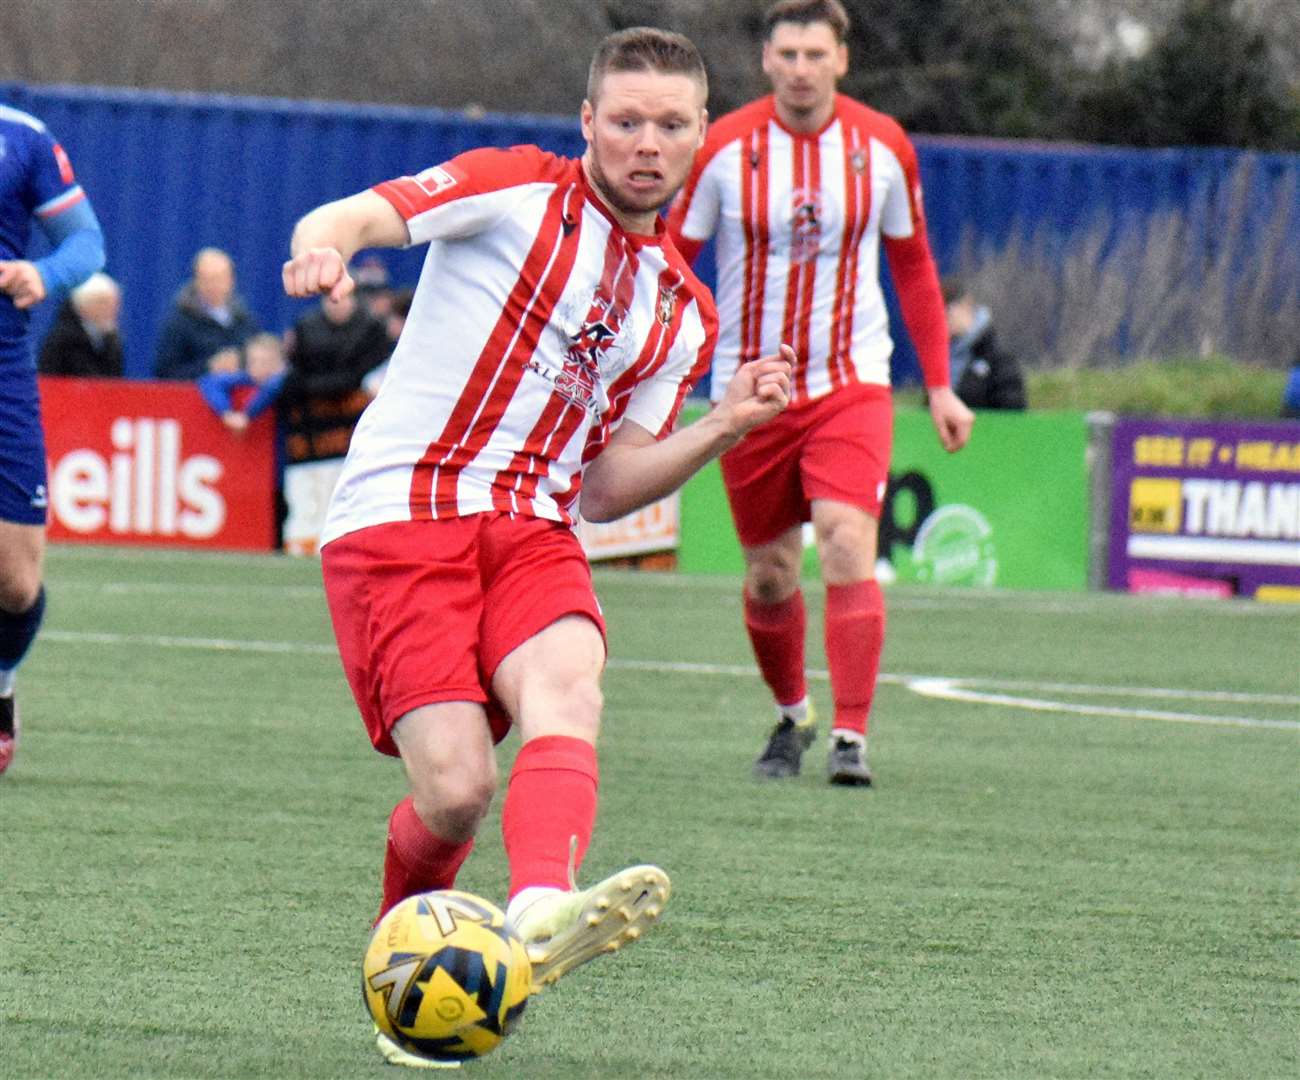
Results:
x,y
209,588
1164,692
953,689
949,690
692,668
165,641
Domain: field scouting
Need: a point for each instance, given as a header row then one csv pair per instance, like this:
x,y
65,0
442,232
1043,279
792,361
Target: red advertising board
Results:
x,y
150,463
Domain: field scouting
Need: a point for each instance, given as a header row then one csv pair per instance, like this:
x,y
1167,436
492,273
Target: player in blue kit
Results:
x,y
36,183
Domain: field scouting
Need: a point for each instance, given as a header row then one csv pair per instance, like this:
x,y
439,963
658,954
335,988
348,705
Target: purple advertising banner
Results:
x,y
1206,508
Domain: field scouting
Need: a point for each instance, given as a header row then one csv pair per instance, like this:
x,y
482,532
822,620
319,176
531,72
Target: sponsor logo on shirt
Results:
x,y
434,180
595,340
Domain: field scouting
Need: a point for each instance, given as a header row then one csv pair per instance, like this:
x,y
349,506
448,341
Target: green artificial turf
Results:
x,y
193,830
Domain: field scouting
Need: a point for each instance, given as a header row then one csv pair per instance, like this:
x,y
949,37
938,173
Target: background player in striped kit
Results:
x,y
552,337
36,183
802,188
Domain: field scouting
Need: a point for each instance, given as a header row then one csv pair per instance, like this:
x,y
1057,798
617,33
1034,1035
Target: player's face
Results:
x,y
804,62
642,135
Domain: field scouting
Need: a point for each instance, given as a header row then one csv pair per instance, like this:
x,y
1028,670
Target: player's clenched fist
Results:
x,y
317,270
759,390
23,282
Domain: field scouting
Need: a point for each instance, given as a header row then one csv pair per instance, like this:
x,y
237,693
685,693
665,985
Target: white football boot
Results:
x,y
563,930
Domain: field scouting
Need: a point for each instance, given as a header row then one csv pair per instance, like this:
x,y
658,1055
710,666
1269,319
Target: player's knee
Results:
x,y
454,803
846,551
772,581
18,590
571,707
581,704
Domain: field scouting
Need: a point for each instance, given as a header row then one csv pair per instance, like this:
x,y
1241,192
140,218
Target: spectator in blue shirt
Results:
x,y
262,371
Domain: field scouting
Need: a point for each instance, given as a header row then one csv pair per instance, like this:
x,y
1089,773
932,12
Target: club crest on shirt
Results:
x,y
589,350
667,305
858,161
807,219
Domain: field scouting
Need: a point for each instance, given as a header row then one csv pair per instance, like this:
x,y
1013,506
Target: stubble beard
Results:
x,y
611,194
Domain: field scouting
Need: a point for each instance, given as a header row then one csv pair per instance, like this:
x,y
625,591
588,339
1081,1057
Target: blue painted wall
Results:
x,y
169,174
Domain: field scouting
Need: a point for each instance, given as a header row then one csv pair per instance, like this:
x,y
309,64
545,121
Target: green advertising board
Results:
x,y
1010,510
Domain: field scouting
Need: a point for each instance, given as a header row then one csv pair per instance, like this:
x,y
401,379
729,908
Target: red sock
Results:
x,y
417,861
551,799
777,633
855,634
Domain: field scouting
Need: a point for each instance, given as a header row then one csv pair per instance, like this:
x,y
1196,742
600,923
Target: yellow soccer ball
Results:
x,y
445,976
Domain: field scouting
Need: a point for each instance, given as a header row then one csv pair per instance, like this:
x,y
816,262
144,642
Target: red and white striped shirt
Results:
x,y
537,327
799,220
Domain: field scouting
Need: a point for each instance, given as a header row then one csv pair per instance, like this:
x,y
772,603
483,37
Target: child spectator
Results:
x,y
263,372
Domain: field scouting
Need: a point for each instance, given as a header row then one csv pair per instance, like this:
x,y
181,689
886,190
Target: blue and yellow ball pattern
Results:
x,y
445,976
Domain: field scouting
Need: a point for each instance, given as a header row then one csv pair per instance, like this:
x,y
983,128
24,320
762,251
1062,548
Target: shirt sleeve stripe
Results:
x,y
61,202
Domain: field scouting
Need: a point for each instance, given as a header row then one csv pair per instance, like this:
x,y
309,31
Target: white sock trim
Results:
x,y
524,899
798,712
848,736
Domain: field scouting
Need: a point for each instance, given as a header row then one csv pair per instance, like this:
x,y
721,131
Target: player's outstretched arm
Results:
x,y
952,419
326,238
635,469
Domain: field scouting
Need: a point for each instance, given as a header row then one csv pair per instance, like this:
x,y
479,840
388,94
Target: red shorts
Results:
x,y
424,611
834,447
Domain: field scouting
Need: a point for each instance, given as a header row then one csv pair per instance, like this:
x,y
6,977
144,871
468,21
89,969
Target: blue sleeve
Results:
x,y
215,387
266,394
78,245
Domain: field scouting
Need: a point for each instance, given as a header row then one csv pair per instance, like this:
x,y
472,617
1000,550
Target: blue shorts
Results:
x,y
23,497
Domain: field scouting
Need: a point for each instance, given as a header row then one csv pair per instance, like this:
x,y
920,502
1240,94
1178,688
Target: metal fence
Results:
x,y
169,174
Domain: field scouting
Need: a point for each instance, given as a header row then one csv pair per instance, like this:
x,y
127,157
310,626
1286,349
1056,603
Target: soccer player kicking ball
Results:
x,y
553,335
803,188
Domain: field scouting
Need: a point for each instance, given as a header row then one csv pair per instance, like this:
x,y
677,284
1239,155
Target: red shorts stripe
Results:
x,y
835,447
425,611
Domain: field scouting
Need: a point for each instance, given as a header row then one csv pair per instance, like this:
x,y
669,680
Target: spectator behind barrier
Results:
x,y
983,375
394,324
263,372
332,350
208,316
373,290
85,339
